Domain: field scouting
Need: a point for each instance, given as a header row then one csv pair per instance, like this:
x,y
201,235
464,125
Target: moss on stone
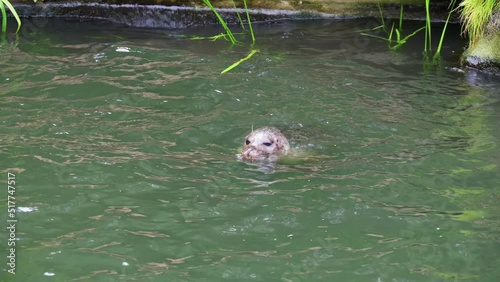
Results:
x,y
485,54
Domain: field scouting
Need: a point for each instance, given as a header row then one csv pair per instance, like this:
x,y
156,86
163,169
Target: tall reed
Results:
x,y
428,27
238,14
230,34
249,21
451,9
221,20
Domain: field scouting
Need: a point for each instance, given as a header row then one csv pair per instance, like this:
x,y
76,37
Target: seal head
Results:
x,y
265,143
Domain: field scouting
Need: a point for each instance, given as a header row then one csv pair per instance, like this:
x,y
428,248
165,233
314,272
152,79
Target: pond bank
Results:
x,y
177,14
485,53
180,14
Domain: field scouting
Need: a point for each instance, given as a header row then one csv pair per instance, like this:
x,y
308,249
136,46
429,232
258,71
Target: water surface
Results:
x,y
123,143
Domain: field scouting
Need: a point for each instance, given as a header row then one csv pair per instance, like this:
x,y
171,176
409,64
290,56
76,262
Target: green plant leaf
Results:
x,y
240,61
14,13
390,34
401,18
249,22
4,17
438,51
375,36
398,35
238,14
221,20
428,35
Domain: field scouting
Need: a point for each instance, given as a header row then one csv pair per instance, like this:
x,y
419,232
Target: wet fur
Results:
x,y
265,143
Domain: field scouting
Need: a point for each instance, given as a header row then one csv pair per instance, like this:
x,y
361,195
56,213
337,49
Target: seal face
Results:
x,y
265,143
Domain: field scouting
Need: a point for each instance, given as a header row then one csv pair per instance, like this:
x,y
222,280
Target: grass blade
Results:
x,y
239,15
390,34
4,17
370,29
413,33
428,43
240,61
401,18
375,36
381,16
450,7
221,20
249,22
14,13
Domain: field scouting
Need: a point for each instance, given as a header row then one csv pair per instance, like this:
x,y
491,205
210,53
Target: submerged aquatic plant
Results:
x,y
475,15
229,34
4,3
240,61
394,36
396,40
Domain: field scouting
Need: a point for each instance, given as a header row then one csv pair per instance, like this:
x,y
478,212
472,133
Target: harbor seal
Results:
x,y
265,143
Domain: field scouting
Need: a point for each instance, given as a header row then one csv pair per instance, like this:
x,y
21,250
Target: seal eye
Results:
x,y
267,144
247,142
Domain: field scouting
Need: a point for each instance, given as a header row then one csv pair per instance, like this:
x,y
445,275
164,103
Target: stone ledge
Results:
x,y
162,13
485,54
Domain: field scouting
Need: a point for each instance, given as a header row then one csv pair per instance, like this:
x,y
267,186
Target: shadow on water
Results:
x,y
123,142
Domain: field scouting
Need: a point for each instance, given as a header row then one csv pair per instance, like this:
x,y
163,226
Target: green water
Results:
x,y
123,145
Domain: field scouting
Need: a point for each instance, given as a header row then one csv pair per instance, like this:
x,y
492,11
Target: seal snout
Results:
x,y
263,143
247,151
